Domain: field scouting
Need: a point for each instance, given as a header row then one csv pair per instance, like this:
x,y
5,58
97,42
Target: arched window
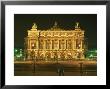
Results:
x,y
78,43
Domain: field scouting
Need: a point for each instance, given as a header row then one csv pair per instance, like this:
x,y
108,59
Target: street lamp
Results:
x,y
81,68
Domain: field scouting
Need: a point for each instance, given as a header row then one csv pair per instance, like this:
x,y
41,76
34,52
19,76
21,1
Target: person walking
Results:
x,y
61,71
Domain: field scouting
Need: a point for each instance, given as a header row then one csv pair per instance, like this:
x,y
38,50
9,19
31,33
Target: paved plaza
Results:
x,y
50,68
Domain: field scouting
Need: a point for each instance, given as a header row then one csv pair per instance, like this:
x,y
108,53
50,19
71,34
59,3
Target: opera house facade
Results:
x,y
55,43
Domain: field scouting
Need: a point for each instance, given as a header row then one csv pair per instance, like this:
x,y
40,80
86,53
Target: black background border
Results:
x,y
4,3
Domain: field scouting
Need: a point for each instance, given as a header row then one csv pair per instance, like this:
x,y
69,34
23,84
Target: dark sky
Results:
x,y
23,22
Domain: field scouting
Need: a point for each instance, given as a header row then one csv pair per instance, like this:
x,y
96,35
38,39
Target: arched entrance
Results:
x,y
69,56
47,56
41,57
62,56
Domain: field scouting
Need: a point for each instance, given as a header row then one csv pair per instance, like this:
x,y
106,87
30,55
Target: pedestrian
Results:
x,y
61,71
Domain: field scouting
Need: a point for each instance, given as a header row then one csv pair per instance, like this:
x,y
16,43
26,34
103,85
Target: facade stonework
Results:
x,y
55,43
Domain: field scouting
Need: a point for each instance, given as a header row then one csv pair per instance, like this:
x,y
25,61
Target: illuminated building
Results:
x,y
55,43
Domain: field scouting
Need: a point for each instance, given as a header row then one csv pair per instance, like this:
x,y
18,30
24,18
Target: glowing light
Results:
x,y
69,53
16,50
33,45
91,55
18,56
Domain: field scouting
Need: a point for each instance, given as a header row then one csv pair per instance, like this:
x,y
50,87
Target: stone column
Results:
x,y
36,43
74,43
45,44
58,44
51,44
65,44
39,44
81,44
29,43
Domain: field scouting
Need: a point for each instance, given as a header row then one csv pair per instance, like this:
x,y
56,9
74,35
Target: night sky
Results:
x,y
24,22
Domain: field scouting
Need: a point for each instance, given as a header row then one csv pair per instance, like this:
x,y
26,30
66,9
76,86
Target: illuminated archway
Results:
x,y
48,56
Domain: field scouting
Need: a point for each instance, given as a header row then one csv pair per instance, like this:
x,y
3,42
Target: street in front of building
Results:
x,y
52,68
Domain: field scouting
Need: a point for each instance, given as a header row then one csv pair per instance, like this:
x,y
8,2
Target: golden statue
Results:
x,y
77,25
34,26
